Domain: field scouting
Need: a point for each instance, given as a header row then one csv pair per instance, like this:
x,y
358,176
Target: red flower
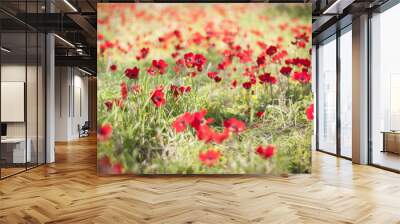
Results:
x,y
310,112
104,132
217,79
117,168
159,66
261,60
266,152
113,68
267,78
221,137
247,85
181,122
303,77
109,104
124,90
234,83
212,75
286,70
143,53
235,125
189,59
132,73
198,119
209,157
158,97
205,133
260,114
100,36
271,50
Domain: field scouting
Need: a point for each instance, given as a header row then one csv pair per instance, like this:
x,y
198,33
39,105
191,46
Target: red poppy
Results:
x,y
117,168
212,75
303,77
204,133
261,60
234,83
104,132
271,50
286,70
124,90
198,119
310,112
260,114
181,122
266,152
209,157
189,59
235,125
143,53
159,66
109,104
247,85
221,137
113,68
217,79
200,61
267,78
132,73
158,97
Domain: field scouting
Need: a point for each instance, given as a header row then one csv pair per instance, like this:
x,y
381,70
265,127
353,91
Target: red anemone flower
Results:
x,y
271,50
143,53
159,66
158,97
303,77
260,114
235,125
212,75
247,85
204,133
181,122
109,104
310,112
286,70
267,78
113,68
104,132
266,152
234,83
261,60
221,137
124,90
132,73
209,157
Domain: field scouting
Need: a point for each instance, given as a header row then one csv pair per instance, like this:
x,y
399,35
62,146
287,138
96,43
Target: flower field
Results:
x,y
204,88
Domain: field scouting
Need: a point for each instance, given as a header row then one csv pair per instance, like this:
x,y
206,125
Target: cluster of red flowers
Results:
x,y
143,53
179,90
204,132
266,152
106,165
194,60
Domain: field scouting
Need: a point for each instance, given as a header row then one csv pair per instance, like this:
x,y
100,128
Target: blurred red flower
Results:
x,y
109,104
235,125
113,68
266,152
247,85
271,50
260,114
158,97
143,53
286,70
124,90
159,67
132,73
209,157
234,83
267,78
310,112
303,77
181,122
104,132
